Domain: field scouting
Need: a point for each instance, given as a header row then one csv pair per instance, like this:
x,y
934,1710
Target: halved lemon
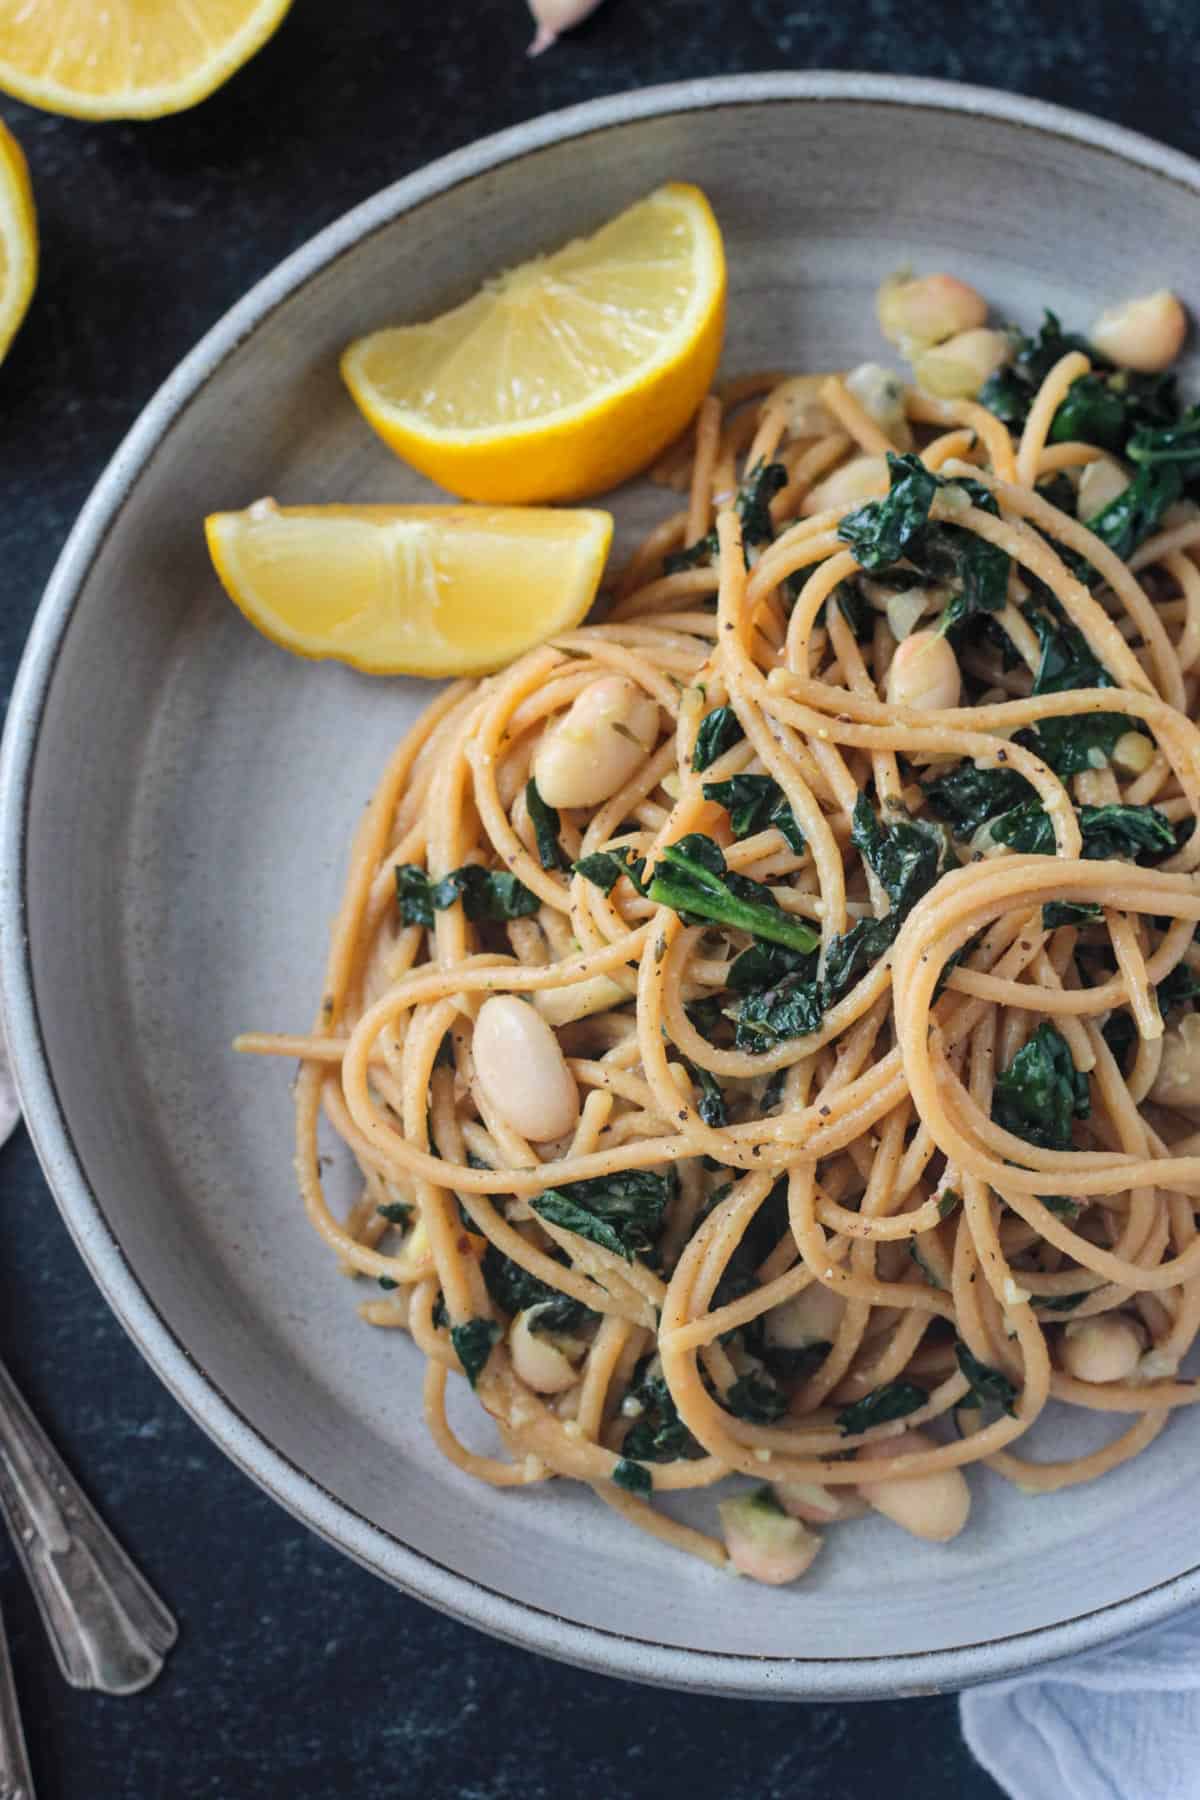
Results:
x,y
127,59
18,238
410,590
565,376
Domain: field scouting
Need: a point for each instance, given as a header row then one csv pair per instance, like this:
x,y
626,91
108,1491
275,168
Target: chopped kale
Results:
x,y
765,966
485,893
753,803
604,868
756,1397
1108,831
703,550
753,503
895,1400
795,1007
413,895
880,532
850,955
948,1202
987,1383
658,1434
622,1212
907,857
1136,513
1179,988
691,877
387,1284
633,1478
473,1344
545,828
396,1212
1041,1092
967,797
1070,912
719,731
515,1290
1174,442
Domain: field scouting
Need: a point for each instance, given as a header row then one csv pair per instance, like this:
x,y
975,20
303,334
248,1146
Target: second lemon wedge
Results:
x,y
565,376
410,590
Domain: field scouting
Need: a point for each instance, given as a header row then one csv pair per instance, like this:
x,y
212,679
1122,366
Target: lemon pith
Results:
x,y
417,590
565,376
134,59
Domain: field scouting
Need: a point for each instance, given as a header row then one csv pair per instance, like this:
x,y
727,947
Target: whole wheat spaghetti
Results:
x,y
875,1002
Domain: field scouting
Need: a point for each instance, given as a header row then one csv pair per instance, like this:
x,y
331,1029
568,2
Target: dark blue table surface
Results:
x,y
297,1674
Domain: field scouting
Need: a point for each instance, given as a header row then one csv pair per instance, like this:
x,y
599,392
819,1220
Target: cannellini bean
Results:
x,y
594,750
1178,1080
928,309
812,1316
863,478
522,1071
924,673
538,1361
763,1542
957,369
1145,334
563,1005
935,1507
818,1505
1100,482
807,415
1133,753
1108,1348
880,392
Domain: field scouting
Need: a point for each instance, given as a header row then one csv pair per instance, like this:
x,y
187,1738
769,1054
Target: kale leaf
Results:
x,y
604,868
473,1344
1108,831
895,1400
1069,912
622,1212
753,502
794,1007
633,1478
907,857
719,731
691,877
753,803
855,951
756,1397
413,895
485,893
1041,1092
658,1434
544,820
396,1212
515,1290
987,1383
880,532
967,797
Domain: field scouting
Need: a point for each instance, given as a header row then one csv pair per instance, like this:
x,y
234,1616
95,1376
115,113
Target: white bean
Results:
x,y
924,673
1178,1080
812,1316
818,1505
763,1542
593,751
863,478
1133,753
1100,482
880,393
927,310
957,369
935,1507
537,1360
1145,334
1104,1349
522,1071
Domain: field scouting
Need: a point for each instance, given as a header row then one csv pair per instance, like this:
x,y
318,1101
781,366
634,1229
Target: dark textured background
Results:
x,y
298,1675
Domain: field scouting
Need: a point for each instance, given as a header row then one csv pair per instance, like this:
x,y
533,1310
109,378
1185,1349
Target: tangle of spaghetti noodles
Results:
x,y
858,1163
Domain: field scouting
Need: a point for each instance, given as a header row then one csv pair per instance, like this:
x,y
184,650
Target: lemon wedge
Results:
x,y
127,59
410,590
565,376
18,238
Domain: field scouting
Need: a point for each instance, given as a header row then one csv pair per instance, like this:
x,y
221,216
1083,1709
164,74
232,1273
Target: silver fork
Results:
x,y
108,1628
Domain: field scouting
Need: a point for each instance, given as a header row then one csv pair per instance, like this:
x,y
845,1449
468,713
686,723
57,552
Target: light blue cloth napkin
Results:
x,y
1117,1724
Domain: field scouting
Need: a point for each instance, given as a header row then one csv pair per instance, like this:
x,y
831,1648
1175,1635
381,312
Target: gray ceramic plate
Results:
x,y
178,798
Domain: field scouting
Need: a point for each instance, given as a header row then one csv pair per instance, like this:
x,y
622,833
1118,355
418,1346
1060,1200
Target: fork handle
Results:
x,y
16,1782
108,1628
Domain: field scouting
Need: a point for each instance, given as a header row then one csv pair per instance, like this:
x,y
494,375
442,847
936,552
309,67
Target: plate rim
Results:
x,y
517,1622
